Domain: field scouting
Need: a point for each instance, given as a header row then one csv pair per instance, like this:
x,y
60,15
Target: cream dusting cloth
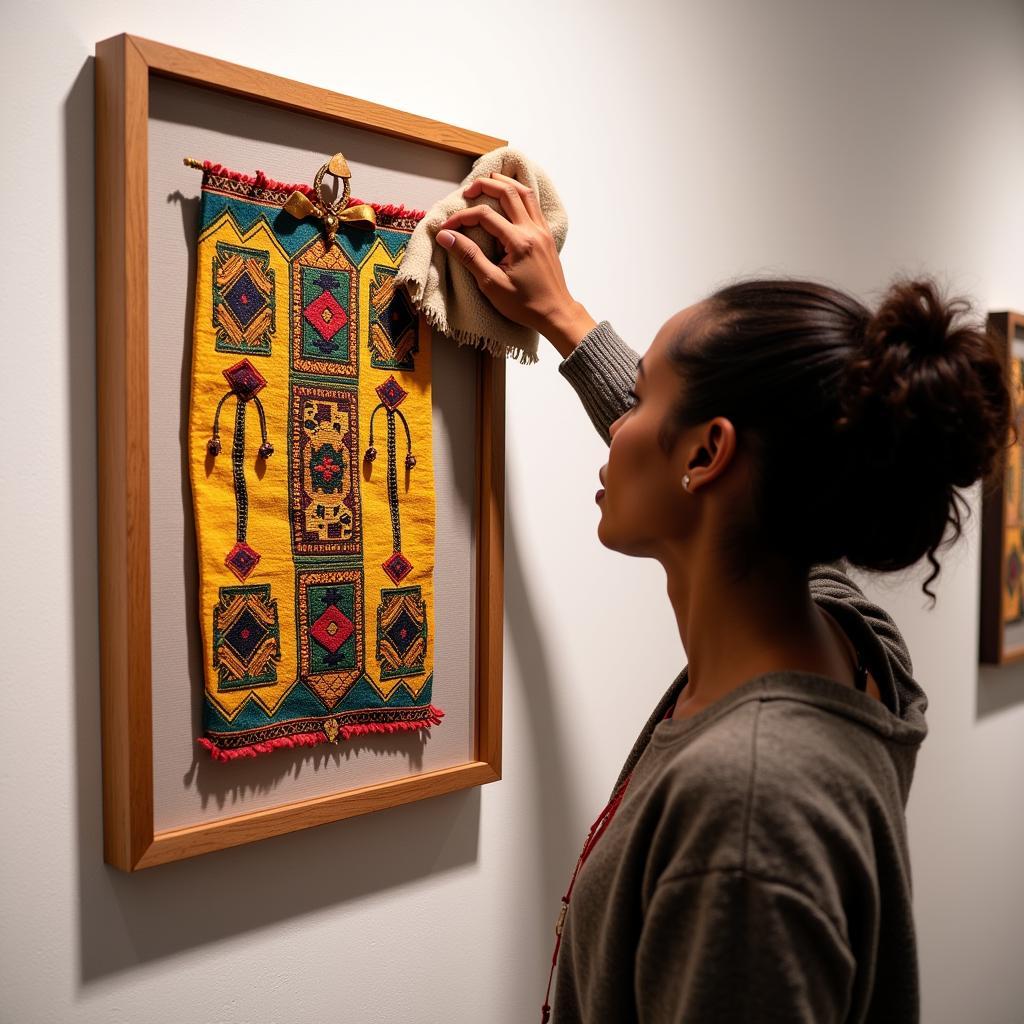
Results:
x,y
441,287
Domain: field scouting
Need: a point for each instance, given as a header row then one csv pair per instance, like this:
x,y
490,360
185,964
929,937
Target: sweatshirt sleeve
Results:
x,y
602,370
725,945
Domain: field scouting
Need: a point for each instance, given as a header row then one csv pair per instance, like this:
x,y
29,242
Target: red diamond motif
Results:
x,y
325,315
241,560
245,379
332,629
391,393
397,567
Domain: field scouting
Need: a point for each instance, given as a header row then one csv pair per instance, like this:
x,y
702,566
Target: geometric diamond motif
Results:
x,y
393,321
397,567
401,633
391,393
246,637
324,312
241,560
327,468
329,606
245,634
244,300
332,629
399,315
245,379
325,315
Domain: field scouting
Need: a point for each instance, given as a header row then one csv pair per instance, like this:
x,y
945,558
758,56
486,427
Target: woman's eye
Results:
x,y
633,398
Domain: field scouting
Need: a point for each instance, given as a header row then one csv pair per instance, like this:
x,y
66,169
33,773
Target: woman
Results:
x,y
752,864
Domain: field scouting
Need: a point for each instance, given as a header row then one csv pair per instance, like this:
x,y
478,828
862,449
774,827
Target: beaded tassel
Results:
x,y
245,382
397,565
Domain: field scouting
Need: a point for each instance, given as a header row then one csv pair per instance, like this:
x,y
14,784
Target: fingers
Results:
x,y
488,277
506,191
490,220
528,196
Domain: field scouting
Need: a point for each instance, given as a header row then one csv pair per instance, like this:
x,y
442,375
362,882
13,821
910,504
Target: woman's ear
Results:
x,y
711,451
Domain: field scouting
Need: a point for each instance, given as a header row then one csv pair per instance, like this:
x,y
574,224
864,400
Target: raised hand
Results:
x,y
528,285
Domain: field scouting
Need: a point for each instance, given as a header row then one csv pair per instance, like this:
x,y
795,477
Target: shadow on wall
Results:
x,y
127,920
555,803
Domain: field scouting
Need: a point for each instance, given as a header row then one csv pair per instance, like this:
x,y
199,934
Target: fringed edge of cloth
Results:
x,y
439,322
432,716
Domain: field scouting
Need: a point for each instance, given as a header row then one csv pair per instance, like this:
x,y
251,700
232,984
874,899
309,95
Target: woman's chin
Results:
x,y
607,532
623,545
603,533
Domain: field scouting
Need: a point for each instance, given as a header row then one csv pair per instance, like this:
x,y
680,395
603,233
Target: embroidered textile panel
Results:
x,y
310,459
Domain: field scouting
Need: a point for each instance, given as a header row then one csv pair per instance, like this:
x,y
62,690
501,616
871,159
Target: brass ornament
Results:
x,y
333,214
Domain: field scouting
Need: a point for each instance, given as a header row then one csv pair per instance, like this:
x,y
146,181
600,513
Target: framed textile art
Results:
x,y
1001,632
301,484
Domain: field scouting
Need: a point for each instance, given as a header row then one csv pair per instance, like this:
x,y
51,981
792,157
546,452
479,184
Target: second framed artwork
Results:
x,y
265,389
1001,632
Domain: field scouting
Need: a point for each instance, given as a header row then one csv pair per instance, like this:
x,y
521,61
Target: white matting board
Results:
x,y
190,788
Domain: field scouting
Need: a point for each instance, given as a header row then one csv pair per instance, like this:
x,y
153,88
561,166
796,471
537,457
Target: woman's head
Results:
x,y
810,427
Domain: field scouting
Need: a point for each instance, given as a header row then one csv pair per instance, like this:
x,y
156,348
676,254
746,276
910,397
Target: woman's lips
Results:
x,y
599,495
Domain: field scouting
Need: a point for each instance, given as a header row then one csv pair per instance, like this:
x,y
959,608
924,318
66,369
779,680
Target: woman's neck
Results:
x,y
734,631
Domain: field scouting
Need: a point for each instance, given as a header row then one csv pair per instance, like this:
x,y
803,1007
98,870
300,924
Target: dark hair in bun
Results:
x,y
863,425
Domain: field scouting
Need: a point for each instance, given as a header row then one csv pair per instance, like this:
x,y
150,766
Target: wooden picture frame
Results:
x,y
1001,633
125,65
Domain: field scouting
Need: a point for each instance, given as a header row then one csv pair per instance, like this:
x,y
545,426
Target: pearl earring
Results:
x,y
686,481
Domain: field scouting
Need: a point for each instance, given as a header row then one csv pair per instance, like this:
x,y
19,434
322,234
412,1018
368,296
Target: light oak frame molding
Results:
x,y
124,65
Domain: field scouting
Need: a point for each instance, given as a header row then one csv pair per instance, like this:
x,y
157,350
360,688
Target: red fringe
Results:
x,y
262,181
312,739
434,718
302,739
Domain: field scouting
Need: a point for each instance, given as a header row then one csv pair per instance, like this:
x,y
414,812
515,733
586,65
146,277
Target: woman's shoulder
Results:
x,y
775,785
794,734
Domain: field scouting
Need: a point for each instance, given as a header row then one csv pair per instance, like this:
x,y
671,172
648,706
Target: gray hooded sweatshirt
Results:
x,y
757,867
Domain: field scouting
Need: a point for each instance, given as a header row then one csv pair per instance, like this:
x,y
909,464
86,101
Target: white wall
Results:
x,y
842,141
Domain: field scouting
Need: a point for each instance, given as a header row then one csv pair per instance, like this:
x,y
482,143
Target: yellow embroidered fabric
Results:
x,y
310,460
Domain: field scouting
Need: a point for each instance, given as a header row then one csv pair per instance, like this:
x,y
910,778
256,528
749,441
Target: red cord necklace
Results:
x,y
596,831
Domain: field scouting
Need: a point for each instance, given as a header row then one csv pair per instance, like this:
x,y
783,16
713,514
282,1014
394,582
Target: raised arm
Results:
x,y
528,286
602,370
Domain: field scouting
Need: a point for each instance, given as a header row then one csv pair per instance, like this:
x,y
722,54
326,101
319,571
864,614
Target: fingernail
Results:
x,y
446,238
